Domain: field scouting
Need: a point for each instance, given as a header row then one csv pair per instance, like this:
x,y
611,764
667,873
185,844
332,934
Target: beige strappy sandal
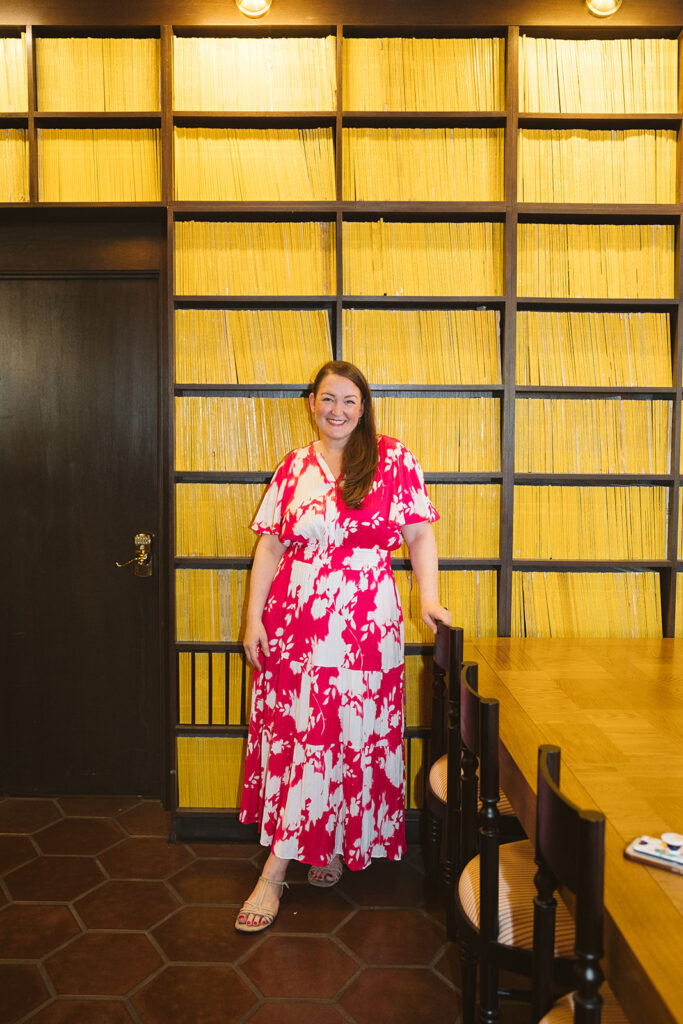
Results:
x,y
327,876
264,917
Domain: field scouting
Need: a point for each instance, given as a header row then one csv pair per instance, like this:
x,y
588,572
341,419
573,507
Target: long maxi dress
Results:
x,y
324,771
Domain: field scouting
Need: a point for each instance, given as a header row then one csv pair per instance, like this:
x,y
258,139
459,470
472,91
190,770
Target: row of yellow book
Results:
x,y
242,164
239,434
79,74
610,76
469,526
210,771
586,604
424,346
469,594
14,186
212,519
584,349
255,258
396,73
210,604
580,165
254,74
601,435
13,77
246,346
232,434
423,164
93,165
449,435
591,523
621,261
419,258
214,688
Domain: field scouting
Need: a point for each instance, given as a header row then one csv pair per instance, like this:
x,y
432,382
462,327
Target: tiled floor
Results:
x,y
103,922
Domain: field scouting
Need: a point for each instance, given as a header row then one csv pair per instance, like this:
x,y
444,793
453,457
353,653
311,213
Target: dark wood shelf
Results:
x,y
147,118
300,389
536,390
595,479
597,305
619,213
611,121
584,565
424,118
191,118
251,301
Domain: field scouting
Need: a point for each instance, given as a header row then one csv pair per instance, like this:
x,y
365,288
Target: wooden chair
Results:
x,y
443,786
570,852
494,898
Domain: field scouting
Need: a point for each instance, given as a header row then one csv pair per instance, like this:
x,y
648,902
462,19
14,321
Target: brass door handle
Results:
x,y
142,559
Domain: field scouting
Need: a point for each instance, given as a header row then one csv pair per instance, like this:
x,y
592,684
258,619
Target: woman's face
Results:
x,y
337,408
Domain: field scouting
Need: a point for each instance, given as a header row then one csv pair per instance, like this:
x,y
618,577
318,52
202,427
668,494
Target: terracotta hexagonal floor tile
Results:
x,y
448,964
22,990
385,884
297,1013
96,806
82,1011
144,858
100,963
296,966
401,996
132,905
79,835
392,937
29,932
15,850
215,881
146,819
26,816
54,878
193,995
204,934
305,908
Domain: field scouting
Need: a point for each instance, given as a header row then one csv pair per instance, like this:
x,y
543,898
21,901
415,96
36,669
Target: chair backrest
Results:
x,y
446,662
480,828
570,852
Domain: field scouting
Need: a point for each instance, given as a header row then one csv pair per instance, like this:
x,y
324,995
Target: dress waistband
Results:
x,y
333,559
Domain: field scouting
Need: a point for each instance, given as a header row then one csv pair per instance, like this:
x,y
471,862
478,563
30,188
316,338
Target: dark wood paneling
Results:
x,y
81,704
78,239
633,14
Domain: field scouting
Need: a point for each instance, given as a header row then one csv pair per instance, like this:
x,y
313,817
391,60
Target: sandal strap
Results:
x,y
258,910
270,881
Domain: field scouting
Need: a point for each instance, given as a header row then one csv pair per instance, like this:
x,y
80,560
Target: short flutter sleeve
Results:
x,y
268,518
409,500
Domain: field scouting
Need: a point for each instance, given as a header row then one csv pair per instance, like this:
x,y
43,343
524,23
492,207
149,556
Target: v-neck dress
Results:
x,y
324,771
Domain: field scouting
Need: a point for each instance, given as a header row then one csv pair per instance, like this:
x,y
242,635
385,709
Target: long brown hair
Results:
x,y
359,458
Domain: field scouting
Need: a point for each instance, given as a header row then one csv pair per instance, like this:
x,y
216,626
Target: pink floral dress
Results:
x,y
324,770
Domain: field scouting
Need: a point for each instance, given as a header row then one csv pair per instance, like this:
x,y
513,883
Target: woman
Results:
x,y
324,773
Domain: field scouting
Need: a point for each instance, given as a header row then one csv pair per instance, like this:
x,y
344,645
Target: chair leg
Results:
x,y
489,1007
468,980
433,846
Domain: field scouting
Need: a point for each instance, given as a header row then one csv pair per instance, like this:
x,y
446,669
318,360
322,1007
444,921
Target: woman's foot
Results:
x,y
260,910
327,876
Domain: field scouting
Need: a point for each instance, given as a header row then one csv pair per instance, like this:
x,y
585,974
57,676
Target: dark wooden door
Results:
x,y
80,709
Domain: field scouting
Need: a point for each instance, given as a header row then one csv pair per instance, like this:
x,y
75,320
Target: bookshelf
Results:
x,y
316,175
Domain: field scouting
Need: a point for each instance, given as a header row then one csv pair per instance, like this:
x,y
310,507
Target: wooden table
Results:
x,y
615,707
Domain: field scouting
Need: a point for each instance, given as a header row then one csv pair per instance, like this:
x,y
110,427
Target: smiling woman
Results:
x,y
324,774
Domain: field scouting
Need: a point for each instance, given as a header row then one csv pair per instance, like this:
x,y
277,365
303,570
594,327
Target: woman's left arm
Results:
x,y
422,550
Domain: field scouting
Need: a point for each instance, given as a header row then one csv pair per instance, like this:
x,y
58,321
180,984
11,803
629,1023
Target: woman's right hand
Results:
x,y
255,641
